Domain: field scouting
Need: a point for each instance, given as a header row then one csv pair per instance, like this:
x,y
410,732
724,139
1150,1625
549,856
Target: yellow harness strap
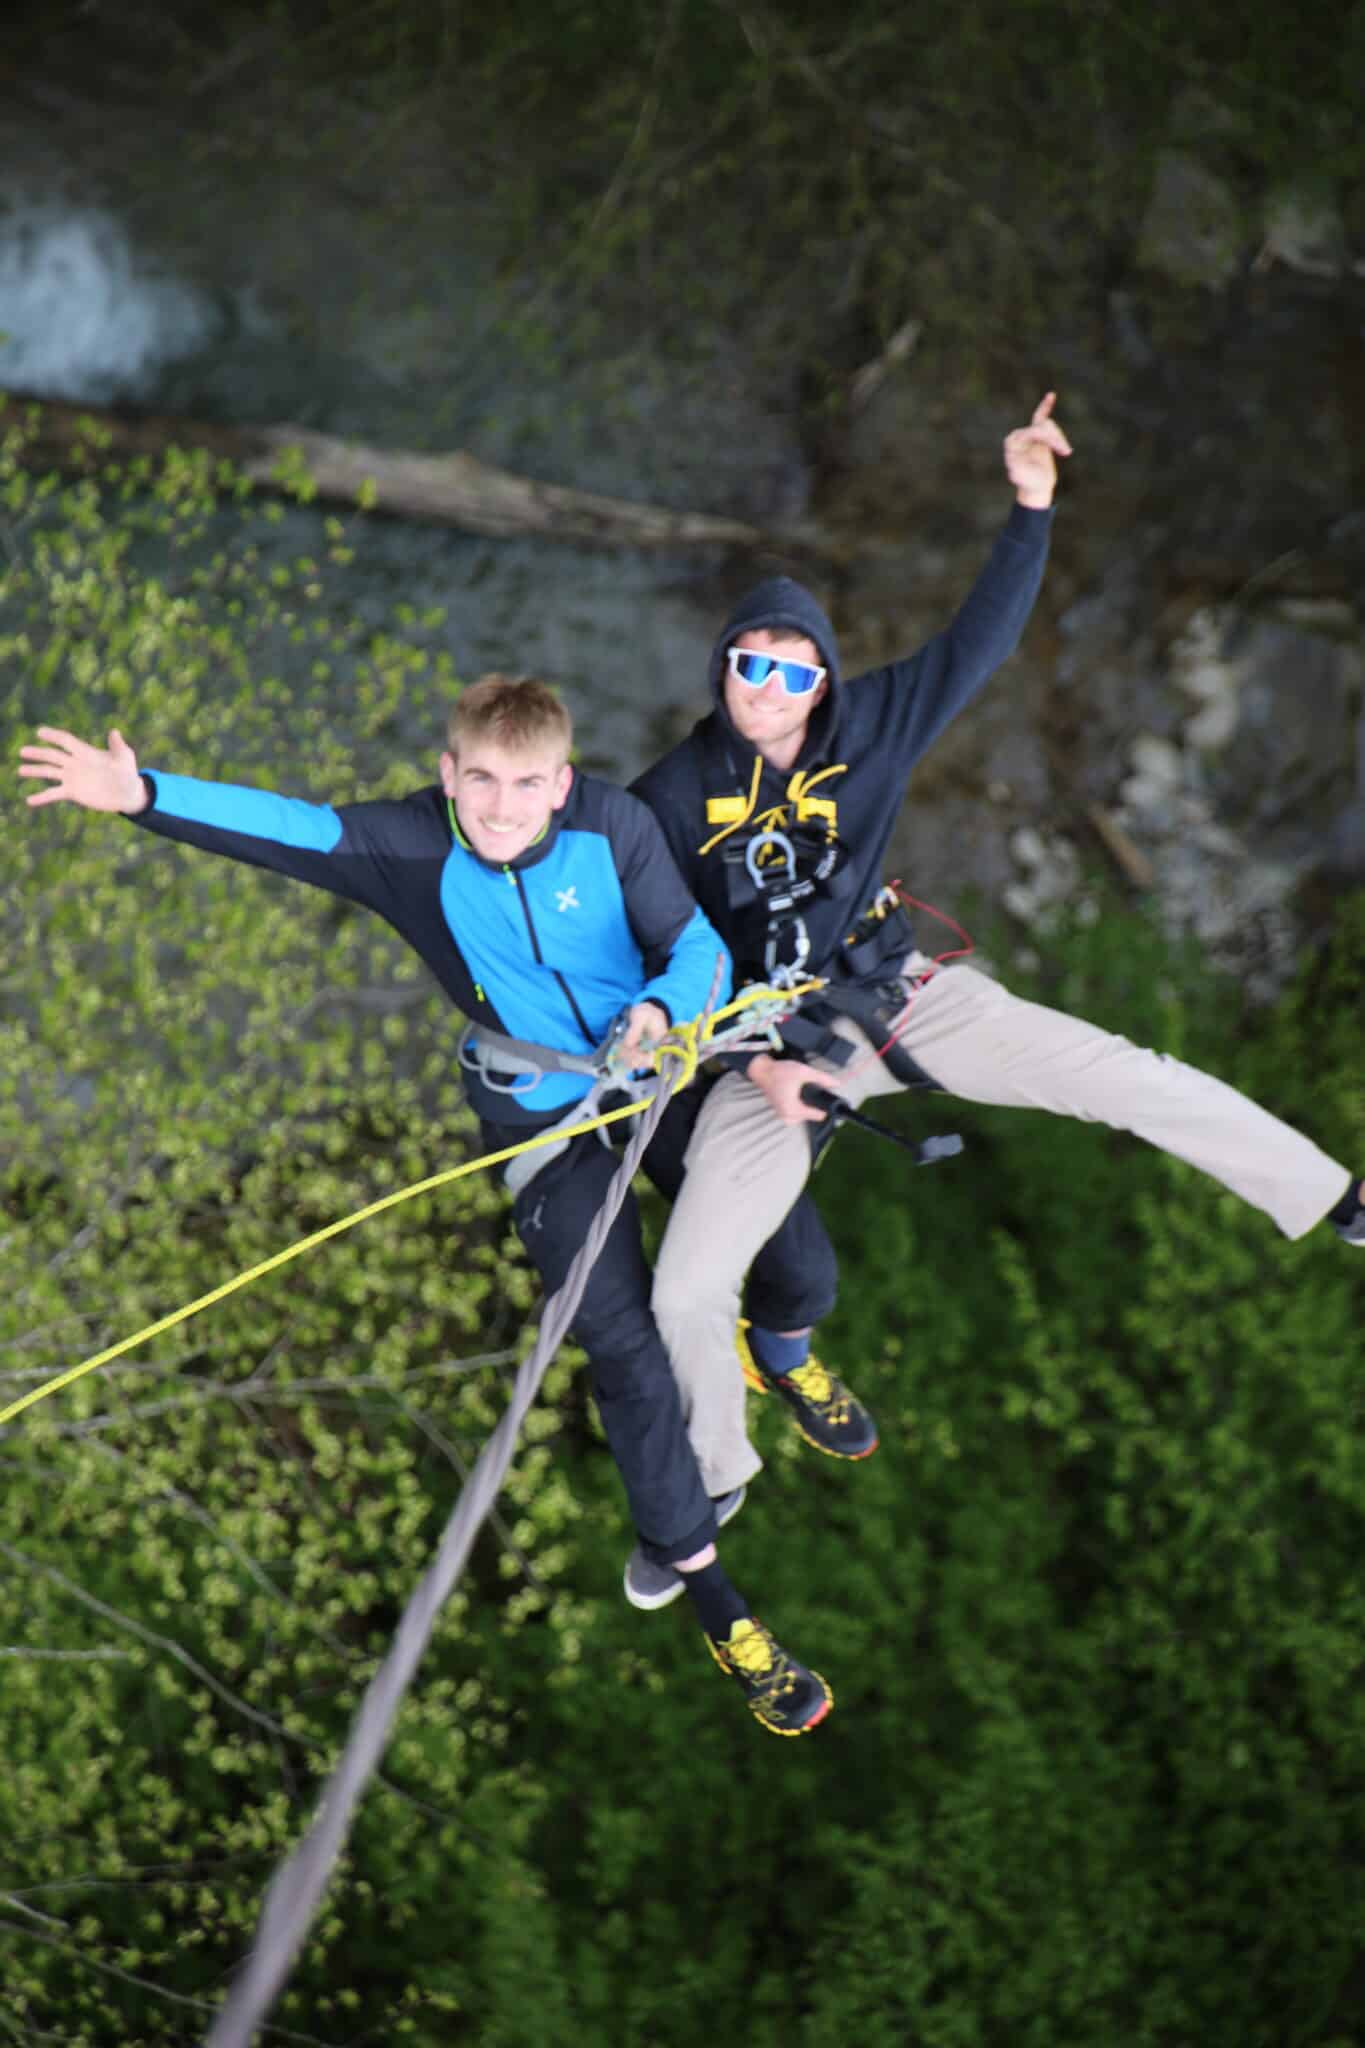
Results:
x,y
808,806
730,812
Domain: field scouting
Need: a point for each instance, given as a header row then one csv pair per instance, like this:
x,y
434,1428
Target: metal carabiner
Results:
x,y
770,837
783,973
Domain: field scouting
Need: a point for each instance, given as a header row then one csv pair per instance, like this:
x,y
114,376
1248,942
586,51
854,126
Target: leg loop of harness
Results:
x,y
603,1095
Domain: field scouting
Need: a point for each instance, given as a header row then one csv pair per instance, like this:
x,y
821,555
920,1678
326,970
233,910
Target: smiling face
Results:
x,y
504,796
769,719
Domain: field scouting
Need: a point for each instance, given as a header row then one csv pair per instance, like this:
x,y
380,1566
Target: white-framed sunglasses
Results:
x,y
753,669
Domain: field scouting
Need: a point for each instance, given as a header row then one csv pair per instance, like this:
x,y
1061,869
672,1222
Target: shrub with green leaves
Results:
x,y
207,1543
1092,1614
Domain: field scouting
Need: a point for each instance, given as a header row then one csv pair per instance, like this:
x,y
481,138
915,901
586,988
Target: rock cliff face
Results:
x,y
1185,713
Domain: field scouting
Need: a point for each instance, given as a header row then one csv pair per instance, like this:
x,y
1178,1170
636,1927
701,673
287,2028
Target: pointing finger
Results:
x,y
1043,434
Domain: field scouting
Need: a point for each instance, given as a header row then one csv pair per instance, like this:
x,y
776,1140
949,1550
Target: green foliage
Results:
x,y
206,1546
1092,1614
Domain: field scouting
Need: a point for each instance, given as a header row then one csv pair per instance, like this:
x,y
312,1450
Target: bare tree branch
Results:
x,y
245,1393
166,1644
454,489
171,1648
90,1962
110,1655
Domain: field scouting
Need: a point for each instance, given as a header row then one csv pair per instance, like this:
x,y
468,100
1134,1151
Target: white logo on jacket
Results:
x,y
567,899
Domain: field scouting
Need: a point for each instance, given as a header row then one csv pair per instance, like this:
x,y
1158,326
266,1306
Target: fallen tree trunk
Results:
x,y
454,490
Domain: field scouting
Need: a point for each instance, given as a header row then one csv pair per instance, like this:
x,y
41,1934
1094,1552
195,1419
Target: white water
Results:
x,y
85,315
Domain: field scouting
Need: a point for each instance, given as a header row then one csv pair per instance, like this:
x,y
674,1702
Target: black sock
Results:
x,y
717,1603
1345,1211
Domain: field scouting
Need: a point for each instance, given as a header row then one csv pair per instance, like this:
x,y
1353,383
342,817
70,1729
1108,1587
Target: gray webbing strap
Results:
x,y
478,1047
298,1884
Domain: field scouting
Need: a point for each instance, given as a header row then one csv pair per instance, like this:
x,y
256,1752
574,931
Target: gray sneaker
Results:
x,y
1351,1227
654,1585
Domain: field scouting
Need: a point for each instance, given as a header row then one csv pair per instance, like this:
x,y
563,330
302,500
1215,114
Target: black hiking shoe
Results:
x,y
827,1414
781,1693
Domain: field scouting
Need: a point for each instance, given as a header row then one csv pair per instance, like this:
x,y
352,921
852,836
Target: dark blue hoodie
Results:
x,y
863,739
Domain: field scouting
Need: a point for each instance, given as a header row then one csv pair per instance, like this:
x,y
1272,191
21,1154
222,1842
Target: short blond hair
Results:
x,y
516,712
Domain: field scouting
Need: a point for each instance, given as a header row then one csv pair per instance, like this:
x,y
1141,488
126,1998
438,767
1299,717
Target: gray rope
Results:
x,y
292,1898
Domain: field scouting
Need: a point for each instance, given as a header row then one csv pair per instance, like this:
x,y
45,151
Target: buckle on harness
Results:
x,y
781,889
784,973
474,1059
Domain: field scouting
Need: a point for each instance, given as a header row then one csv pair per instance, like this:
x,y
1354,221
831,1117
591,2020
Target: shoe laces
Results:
x,y
751,1651
817,1385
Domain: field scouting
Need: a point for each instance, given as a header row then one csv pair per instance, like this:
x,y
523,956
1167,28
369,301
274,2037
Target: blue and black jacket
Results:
x,y
548,948
714,794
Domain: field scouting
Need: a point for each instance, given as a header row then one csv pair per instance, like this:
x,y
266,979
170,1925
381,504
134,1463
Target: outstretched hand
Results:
x,y
1031,455
97,778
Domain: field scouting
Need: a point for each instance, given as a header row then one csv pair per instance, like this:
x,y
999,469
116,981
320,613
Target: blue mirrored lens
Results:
x,y
798,677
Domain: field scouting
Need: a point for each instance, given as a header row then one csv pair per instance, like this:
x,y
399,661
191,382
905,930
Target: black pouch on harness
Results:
x,y
875,1007
882,934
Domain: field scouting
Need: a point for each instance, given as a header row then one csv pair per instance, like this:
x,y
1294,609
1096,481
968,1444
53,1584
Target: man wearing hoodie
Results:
x,y
778,808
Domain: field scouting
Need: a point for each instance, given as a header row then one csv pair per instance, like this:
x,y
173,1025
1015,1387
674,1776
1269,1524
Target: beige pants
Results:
x,y
745,1168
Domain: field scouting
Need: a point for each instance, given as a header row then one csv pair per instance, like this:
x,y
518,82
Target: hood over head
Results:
x,y
782,605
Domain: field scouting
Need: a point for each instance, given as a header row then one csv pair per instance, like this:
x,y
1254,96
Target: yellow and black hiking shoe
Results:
x,y
781,1693
827,1414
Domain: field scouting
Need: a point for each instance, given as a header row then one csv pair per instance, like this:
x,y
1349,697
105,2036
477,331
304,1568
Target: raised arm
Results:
x,y
920,694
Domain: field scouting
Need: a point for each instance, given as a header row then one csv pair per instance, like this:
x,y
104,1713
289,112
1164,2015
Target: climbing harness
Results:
x,y
775,870
603,1096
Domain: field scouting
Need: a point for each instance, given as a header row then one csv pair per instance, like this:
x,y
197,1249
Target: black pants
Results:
x,y
632,1380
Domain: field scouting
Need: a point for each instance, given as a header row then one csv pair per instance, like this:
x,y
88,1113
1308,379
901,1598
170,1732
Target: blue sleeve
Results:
x,y
254,813
684,985
679,944
362,851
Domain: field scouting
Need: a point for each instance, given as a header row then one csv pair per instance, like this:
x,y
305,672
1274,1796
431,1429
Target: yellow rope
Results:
x,y
685,1041
307,1244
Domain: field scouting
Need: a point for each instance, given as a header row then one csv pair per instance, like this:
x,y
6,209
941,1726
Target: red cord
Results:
x,y
958,953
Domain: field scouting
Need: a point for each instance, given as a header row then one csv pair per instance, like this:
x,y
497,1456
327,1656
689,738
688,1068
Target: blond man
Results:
x,y
548,908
